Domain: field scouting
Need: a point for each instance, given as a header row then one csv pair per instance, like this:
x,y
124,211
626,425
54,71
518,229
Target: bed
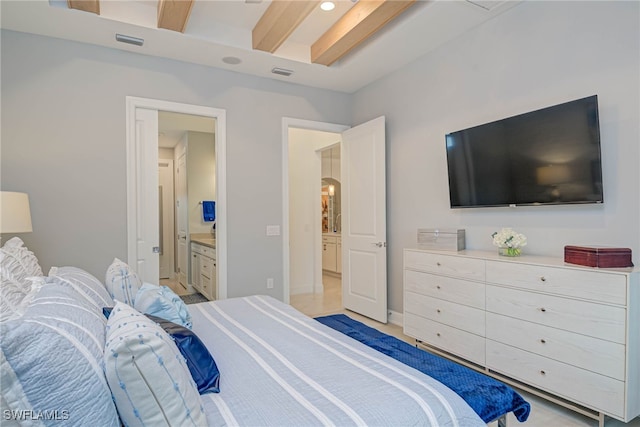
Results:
x,y
77,351
280,367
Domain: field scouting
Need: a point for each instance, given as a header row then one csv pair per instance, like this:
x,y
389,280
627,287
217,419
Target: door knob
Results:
x,y
380,244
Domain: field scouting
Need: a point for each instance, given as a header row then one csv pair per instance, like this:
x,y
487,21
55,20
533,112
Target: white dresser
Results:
x,y
567,331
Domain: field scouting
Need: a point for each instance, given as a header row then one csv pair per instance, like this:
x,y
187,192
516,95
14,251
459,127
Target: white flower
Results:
x,y
508,238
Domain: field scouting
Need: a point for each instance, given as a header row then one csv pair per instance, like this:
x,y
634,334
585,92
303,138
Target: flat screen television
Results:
x,y
545,157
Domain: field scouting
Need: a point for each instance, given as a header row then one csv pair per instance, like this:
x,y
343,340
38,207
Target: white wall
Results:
x,y
535,55
63,142
165,153
304,208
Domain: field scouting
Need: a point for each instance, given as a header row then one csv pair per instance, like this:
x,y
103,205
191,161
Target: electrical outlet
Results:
x,y
270,283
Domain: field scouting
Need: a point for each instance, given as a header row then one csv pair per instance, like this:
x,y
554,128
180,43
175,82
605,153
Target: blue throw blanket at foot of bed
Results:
x,y
488,397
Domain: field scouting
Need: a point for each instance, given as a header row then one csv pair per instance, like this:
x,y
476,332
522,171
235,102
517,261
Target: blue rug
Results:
x,y
488,397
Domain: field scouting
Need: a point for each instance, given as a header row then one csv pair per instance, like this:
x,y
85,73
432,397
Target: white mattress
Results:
x,y
279,367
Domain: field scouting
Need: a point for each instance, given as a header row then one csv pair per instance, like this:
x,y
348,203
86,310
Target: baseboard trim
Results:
x,y
303,289
395,318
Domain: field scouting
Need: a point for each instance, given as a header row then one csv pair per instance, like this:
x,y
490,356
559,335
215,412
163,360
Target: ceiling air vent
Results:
x,y
281,71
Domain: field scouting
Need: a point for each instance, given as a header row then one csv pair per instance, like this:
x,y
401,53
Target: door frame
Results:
x,y
220,115
289,122
171,217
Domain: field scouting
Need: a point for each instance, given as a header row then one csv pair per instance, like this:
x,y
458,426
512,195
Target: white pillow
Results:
x,y
149,379
52,360
122,282
17,263
88,286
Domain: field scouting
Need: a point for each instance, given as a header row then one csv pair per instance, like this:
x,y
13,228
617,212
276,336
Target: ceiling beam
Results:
x,y
359,23
277,23
174,14
92,6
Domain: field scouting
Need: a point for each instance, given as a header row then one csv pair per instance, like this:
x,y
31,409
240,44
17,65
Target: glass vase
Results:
x,y
505,251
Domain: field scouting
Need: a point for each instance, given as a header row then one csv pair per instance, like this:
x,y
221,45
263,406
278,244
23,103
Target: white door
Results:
x,y
146,184
182,219
364,232
167,235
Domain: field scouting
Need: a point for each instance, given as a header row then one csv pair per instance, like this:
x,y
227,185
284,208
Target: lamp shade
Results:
x,y
15,215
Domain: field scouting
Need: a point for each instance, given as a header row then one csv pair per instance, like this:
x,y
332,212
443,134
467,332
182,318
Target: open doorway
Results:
x,y
363,201
143,228
309,225
188,142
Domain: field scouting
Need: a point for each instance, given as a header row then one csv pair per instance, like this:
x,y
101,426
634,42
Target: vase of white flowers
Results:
x,y
509,242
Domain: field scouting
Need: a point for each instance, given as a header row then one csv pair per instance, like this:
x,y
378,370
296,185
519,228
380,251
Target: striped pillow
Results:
x,y
52,360
89,287
156,390
122,282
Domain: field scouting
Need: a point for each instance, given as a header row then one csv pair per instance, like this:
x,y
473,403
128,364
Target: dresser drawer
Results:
x,y
450,265
459,316
585,284
443,287
590,389
587,318
456,341
593,354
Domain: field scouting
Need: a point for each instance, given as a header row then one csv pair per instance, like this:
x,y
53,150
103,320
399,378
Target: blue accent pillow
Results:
x,y
199,361
161,301
201,364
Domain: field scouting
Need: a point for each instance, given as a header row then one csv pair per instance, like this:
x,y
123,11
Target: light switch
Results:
x,y
273,230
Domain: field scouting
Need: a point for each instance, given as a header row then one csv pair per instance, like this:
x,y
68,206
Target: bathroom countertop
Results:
x,y
205,239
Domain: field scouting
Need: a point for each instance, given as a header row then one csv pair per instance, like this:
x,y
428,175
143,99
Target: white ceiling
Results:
x,y
222,28
173,126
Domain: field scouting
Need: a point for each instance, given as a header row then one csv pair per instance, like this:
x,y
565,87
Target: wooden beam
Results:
x,y
279,21
92,6
361,21
174,14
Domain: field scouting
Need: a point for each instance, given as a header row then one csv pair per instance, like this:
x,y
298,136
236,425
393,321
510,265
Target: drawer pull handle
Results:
x,y
542,309
438,287
438,310
543,279
438,334
543,373
543,341
438,264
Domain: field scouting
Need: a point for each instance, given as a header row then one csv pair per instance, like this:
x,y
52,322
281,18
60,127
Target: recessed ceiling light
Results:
x,y
231,60
327,5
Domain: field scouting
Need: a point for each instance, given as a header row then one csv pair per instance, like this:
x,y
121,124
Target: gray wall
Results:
x,y
535,55
63,135
63,142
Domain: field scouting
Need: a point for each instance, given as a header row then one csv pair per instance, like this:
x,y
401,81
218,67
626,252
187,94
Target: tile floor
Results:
x,y
175,286
543,413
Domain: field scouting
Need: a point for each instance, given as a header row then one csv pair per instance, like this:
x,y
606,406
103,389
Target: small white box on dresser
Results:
x,y
444,239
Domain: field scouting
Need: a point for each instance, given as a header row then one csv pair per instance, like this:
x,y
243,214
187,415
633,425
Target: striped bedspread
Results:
x,y
279,367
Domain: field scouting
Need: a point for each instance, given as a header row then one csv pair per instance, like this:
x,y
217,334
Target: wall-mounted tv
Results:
x,y
548,156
